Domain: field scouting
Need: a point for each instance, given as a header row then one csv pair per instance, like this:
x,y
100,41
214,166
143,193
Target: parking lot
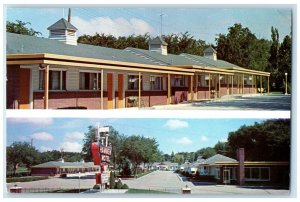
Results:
x,y
166,181
245,102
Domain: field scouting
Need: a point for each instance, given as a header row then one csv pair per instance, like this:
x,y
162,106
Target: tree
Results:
x,y
285,61
89,138
206,152
221,148
241,47
235,47
21,152
273,59
19,27
270,139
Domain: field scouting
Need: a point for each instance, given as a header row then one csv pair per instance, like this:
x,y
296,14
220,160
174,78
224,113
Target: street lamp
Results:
x,y
286,83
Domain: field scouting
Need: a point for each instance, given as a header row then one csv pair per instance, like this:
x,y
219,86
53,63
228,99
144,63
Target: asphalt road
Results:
x,y
246,102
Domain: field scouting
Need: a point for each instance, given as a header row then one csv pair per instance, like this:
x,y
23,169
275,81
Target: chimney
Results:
x,y
210,53
63,31
241,168
158,45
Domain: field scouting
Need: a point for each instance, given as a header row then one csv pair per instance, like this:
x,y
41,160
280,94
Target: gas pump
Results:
x,y
101,152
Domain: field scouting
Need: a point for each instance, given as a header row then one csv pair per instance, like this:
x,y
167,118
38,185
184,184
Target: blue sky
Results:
x,y
172,134
202,22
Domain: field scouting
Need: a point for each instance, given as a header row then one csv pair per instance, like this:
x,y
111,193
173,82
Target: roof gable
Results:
x,y
210,50
62,24
218,158
158,41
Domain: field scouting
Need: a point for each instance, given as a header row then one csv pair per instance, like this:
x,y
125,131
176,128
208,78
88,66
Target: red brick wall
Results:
x,y
12,85
88,99
148,98
223,90
203,93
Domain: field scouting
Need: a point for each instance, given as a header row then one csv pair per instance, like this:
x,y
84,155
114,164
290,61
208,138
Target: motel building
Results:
x,y
227,170
59,73
60,168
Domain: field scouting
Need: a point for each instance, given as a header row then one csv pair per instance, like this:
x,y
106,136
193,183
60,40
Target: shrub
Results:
x,y
96,186
126,170
124,186
112,180
118,185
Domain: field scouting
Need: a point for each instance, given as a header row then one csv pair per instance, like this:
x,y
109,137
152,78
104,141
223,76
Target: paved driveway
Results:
x,y
171,182
245,102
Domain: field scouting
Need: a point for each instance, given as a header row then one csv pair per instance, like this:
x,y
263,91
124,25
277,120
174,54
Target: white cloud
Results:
x,y
44,136
32,121
116,27
23,138
74,136
184,141
203,138
44,149
71,146
175,124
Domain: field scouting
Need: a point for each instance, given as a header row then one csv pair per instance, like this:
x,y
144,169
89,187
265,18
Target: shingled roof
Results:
x,y
63,164
219,158
24,44
62,24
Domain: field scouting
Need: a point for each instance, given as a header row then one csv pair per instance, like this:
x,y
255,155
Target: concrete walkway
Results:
x,y
236,102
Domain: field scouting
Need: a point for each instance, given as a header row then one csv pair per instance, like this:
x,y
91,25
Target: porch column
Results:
x,y
268,85
209,86
219,94
191,96
196,86
243,84
260,84
232,84
252,84
139,99
227,83
101,89
169,89
238,84
46,87
255,78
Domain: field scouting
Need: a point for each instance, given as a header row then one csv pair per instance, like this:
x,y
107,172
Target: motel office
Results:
x,y
57,72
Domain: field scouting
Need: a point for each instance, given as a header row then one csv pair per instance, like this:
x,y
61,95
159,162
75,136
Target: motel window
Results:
x,y
257,174
89,81
264,173
133,82
222,79
179,81
57,79
156,82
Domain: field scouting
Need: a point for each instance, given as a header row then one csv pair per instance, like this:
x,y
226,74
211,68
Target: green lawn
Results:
x,y
25,179
145,191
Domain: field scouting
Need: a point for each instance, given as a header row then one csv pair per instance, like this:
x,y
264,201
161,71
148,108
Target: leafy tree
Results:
x,y
21,152
273,59
20,27
270,139
206,152
285,61
236,46
221,148
89,137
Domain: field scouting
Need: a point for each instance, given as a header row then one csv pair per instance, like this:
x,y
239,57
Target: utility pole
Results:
x,y
161,18
69,15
